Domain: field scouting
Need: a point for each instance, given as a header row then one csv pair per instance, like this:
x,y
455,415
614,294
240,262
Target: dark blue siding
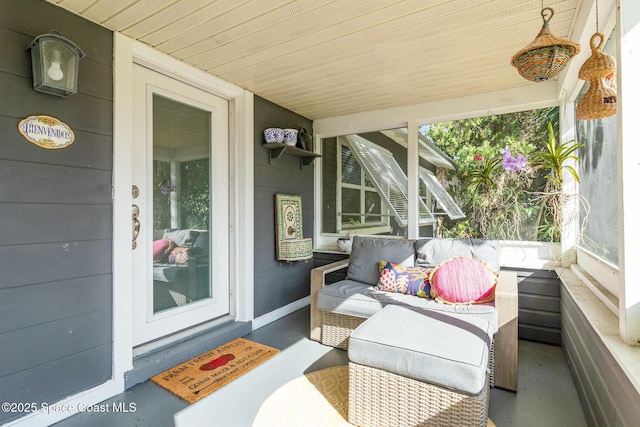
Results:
x,y
56,213
278,283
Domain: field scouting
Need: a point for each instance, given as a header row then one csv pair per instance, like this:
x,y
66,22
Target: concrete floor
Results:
x,y
546,395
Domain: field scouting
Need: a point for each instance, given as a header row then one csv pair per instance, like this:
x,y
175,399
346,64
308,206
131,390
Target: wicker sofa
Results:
x,y
339,308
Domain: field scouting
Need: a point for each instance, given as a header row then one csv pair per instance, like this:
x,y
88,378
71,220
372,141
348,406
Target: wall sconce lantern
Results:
x,y
55,61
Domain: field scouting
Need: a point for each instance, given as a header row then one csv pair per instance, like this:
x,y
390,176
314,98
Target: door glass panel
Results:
x,y
181,204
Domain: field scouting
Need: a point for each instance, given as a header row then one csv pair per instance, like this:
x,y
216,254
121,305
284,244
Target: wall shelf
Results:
x,y
277,149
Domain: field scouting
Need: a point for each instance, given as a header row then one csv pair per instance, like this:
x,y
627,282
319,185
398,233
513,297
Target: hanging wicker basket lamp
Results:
x,y
546,55
601,99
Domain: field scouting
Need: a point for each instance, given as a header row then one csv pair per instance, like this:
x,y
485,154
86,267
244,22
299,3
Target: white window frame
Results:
x,y
326,240
371,227
599,275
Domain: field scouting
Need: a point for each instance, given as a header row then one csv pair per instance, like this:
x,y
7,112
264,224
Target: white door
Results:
x,y
180,206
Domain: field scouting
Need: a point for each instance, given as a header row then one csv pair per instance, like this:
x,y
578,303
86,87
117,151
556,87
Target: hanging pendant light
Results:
x,y
601,99
546,55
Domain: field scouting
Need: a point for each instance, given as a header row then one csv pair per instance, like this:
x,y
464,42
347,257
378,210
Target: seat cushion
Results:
x,y
444,349
357,299
170,273
367,252
349,297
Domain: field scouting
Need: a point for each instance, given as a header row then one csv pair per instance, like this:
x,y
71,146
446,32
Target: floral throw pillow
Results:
x,y
402,279
179,255
463,281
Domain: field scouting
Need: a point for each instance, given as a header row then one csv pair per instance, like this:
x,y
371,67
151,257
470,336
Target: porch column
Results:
x,y
571,208
628,24
413,216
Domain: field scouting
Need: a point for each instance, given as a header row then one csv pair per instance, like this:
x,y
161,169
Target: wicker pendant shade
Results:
x,y
546,55
600,100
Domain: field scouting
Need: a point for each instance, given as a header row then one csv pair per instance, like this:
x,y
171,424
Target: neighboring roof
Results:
x,y
427,149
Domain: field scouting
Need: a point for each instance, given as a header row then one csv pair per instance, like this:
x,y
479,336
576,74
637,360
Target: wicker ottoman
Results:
x,y
419,368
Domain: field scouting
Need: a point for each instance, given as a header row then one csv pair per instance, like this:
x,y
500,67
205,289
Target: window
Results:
x,y
598,169
388,178
351,198
365,185
181,194
598,179
361,205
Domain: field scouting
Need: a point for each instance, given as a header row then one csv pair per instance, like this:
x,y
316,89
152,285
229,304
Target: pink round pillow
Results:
x,y
463,281
161,249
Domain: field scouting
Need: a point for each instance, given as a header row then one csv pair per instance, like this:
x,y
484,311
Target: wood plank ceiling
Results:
x,y
324,58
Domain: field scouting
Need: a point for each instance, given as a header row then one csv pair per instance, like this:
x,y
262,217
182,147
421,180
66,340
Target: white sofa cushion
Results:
x,y
357,299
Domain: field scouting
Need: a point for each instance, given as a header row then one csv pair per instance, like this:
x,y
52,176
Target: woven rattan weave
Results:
x,y
380,398
336,329
546,55
601,99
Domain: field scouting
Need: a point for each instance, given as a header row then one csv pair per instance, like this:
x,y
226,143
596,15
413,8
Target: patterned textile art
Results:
x,y
290,243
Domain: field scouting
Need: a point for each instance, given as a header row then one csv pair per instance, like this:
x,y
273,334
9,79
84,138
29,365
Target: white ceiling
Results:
x,y
326,58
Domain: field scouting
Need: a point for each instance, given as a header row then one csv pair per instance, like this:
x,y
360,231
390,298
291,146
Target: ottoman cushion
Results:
x,y
439,348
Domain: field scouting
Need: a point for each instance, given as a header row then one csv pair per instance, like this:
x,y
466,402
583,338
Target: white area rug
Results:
x,y
316,399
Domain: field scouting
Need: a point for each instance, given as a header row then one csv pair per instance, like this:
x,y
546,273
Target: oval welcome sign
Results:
x,y
46,132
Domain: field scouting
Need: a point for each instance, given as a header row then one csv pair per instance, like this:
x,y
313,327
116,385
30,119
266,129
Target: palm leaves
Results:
x,y
555,158
551,204
481,177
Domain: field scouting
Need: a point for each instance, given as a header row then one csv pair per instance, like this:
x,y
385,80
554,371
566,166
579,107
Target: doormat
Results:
x,y
202,375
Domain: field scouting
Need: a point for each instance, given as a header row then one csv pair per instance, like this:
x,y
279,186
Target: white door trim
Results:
x,y
148,324
126,53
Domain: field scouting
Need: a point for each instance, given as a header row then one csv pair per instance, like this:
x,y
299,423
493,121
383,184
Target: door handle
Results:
x,y
135,211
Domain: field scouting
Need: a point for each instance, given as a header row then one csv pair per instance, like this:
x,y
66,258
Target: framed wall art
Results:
x,y
291,245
